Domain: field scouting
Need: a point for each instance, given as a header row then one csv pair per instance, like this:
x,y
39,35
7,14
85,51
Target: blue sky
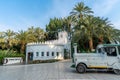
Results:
x,y
21,14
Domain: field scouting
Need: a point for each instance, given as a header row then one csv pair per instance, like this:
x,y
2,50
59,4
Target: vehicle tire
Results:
x,y
81,68
117,71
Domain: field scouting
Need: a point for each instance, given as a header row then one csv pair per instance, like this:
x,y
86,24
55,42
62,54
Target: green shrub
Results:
x,y
6,53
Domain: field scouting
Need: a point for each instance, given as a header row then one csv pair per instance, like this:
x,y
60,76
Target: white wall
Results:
x,y
46,48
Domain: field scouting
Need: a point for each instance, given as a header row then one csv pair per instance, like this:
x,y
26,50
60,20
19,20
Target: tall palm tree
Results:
x,y
88,29
22,38
2,35
39,34
104,29
31,32
2,40
116,35
9,36
80,11
67,24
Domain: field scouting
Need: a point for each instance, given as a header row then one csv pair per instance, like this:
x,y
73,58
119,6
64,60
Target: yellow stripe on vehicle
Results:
x,y
97,67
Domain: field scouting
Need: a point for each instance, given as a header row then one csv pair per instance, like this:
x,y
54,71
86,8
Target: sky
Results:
x,y
21,14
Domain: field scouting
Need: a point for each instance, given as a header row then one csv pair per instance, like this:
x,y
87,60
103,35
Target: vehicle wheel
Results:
x,y
81,68
117,71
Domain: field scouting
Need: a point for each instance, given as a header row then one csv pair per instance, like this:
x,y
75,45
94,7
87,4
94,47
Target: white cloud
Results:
x,y
103,8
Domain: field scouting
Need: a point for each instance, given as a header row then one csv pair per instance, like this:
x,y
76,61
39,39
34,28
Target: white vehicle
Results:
x,y
107,57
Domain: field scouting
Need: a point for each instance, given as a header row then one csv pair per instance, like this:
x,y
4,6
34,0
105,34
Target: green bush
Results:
x,y
6,53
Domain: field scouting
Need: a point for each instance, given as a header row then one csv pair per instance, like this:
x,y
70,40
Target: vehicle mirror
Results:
x,y
105,53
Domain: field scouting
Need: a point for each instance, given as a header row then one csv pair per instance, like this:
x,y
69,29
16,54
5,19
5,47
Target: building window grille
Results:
x,y
42,54
37,54
47,53
52,53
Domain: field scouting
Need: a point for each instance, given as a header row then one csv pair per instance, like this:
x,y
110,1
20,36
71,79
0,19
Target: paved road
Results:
x,y
51,71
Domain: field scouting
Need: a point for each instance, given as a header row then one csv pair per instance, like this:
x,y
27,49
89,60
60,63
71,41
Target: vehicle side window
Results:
x,y
111,51
119,50
99,50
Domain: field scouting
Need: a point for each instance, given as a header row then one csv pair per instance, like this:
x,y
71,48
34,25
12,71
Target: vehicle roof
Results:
x,y
111,44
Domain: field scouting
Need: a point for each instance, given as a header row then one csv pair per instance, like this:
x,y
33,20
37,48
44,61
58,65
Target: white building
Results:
x,y
53,49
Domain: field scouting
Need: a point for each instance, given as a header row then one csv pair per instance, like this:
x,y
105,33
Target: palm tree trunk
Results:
x,y
100,39
91,44
22,47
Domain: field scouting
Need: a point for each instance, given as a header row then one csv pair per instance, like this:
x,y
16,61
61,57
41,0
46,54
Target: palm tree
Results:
x,y
67,23
104,29
39,34
22,38
87,30
54,26
31,32
9,36
2,40
80,11
116,35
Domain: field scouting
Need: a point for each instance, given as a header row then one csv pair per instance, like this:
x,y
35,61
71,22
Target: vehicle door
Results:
x,y
98,60
119,54
112,57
